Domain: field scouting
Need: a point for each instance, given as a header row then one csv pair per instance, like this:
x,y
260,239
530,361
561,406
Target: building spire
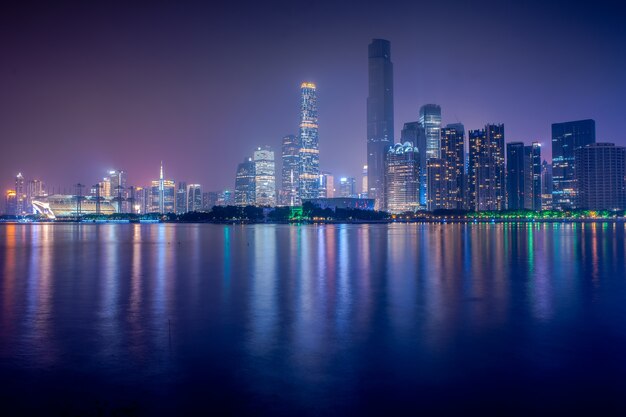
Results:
x,y
161,175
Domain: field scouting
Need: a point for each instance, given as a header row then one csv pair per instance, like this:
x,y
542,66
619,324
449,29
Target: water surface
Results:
x,y
399,319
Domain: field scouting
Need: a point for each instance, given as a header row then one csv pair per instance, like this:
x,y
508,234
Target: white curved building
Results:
x,y
59,205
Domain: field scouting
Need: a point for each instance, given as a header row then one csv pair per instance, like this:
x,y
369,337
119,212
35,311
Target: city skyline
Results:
x,y
115,114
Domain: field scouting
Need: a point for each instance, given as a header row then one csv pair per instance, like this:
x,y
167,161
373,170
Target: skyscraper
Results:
x,y
600,175
546,185
244,184
486,168
209,199
117,185
430,121
413,132
363,193
566,138
309,143
347,187
402,178
515,175
532,177
379,116
437,184
264,177
21,200
327,185
181,198
194,197
453,156
34,190
290,172
163,195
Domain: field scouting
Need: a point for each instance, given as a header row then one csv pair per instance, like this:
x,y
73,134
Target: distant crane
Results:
x,y
79,197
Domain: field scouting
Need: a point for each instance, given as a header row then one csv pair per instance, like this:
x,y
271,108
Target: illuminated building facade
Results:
x,y
309,172
414,132
566,138
21,199
515,175
486,168
181,198
35,189
380,129
600,176
244,184
290,171
118,190
437,184
10,206
363,193
60,205
453,157
402,178
532,177
347,187
163,195
194,197
546,186
264,177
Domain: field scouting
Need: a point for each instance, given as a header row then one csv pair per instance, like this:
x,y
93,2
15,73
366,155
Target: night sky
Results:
x,y
92,86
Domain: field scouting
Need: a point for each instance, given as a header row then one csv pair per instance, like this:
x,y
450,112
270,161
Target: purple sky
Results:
x,y
91,87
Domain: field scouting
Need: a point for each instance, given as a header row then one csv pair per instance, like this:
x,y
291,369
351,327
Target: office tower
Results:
x,y
264,177
402,178
546,185
309,144
34,190
163,195
194,197
453,156
566,138
226,198
379,117
181,198
363,193
105,187
600,174
209,200
244,184
117,189
326,185
430,121
10,204
347,187
141,201
21,200
413,132
290,172
515,175
437,184
486,169
532,177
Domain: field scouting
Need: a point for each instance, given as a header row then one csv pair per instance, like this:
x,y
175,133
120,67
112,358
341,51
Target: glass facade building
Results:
x,y
244,184
194,197
486,168
453,156
600,176
413,132
515,175
566,138
290,171
402,178
309,143
380,129
264,177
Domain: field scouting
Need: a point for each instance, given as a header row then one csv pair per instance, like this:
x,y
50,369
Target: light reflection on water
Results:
x,y
278,318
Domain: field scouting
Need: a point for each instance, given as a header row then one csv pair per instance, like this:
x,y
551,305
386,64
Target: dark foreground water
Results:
x,y
313,320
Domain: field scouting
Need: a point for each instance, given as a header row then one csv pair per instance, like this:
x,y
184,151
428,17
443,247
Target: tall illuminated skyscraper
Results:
x,y
21,200
264,177
413,132
379,117
430,121
244,184
117,190
309,143
486,168
291,171
194,197
453,156
181,198
566,138
402,177
163,194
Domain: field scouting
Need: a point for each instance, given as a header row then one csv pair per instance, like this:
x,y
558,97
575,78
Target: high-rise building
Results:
x,y
363,193
566,138
181,198
291,170
430,121
379,117
532,177
309,143
327,185
21,199
486,168
194,197
515,175
600,175
10,206
117,189
244,184
453,156
347,187
264,177
546,185
163,195
437,184
226,198
105,187
402,178
141,201
35,189
209,200
414,132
